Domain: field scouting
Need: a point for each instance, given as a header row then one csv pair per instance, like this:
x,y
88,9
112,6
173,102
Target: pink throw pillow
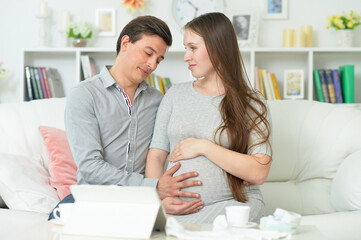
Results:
x,y
62,168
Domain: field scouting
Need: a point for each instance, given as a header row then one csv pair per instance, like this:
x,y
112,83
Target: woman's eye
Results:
x,y
149,54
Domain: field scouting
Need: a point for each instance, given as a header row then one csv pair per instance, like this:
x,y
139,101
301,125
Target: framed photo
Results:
x,y
246,27
293,86
105,21
276,9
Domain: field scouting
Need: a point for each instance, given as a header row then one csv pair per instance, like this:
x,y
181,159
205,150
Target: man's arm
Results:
x,y
85,142
169,187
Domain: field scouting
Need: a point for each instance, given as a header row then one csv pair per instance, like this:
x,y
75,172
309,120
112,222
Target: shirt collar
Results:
x,y
108,80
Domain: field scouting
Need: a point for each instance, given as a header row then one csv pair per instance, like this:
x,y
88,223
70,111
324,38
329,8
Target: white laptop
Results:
x,y
115,211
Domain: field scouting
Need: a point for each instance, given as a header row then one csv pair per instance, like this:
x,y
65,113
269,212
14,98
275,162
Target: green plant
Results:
x,y
79,31
340,22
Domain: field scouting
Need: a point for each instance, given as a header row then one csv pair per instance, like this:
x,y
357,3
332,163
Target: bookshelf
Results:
x,y
67,62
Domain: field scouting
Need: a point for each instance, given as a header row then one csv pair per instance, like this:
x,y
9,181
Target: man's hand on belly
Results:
x,y
169,186
177,206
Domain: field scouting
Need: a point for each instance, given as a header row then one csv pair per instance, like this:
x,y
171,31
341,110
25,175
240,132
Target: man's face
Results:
x,y
143,56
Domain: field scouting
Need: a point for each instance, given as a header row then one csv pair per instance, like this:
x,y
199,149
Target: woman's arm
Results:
x,y
251,168
155,163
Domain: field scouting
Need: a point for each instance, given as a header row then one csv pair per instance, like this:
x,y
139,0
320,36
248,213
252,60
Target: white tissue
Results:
x,y
220,230
281,221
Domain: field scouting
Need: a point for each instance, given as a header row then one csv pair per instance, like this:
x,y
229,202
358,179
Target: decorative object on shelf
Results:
x,y
105,21
344,24
184,11
134,5
288,38
308,35
65,19
299,39
246,26
80,33
43,17
3,71
302,38
293,86
276,9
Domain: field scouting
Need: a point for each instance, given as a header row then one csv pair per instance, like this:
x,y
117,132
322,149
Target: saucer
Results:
x,y
247,225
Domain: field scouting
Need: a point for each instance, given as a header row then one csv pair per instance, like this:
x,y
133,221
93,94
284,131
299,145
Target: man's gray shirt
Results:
x,y
99,129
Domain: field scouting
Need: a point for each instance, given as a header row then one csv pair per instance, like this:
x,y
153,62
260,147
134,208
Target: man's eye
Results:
x,y
149,54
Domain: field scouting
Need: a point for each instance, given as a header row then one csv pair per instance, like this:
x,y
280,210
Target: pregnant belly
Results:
x,y
214,186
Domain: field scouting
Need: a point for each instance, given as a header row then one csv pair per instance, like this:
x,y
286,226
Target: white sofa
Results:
x,y
315,170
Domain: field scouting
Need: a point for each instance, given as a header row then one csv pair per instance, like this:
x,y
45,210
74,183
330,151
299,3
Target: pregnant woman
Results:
x,y
217,125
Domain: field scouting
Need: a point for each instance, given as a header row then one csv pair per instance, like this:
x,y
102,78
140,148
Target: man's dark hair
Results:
x,y
145,25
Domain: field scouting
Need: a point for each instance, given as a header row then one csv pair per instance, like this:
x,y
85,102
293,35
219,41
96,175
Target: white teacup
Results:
x,y
63,211
237,216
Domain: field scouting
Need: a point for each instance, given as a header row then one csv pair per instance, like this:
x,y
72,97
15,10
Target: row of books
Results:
x,y
43,82
157,82
335,85
266,83
88,67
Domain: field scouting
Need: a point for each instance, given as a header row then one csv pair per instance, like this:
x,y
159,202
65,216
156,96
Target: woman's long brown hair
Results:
x,y
239,116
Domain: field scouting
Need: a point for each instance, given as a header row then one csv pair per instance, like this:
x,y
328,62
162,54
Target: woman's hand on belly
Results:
x,y
187,149
177,206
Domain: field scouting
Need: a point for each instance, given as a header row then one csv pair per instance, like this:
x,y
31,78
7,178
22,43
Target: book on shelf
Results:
x,y
37,87
161,87
271,85
331,87
28,87
321,72
42,83
160,83
275,86
347,73
87,65
167,84
267,85
261,85
46,81
337,84
318,84
55,82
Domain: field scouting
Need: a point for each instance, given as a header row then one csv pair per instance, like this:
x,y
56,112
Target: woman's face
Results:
x,y
196,55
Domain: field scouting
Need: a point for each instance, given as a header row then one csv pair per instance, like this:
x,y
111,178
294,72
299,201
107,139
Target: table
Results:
x,y
54,232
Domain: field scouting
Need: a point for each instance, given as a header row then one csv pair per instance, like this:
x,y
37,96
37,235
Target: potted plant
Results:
x,y
344,24
80,32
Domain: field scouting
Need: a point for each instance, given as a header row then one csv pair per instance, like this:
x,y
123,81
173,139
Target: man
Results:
x,y
109,119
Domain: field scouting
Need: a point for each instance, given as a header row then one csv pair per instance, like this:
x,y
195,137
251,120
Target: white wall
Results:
x,y
19,26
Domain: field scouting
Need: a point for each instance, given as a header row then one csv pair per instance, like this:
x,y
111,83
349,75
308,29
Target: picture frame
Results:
x,y
276,9
293,85
105,21
245,25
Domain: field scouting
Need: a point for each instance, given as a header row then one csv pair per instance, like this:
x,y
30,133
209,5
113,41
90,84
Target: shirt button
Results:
x,y
130,160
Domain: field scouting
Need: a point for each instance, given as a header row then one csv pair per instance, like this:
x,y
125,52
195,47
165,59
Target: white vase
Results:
x,y
344,38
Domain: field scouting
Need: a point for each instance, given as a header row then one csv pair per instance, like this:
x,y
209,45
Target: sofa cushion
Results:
x,y
19,133
24,184
310,141
345,189
61,165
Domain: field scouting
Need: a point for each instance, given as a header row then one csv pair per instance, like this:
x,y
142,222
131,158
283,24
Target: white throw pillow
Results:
x,y
345,189
24,184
